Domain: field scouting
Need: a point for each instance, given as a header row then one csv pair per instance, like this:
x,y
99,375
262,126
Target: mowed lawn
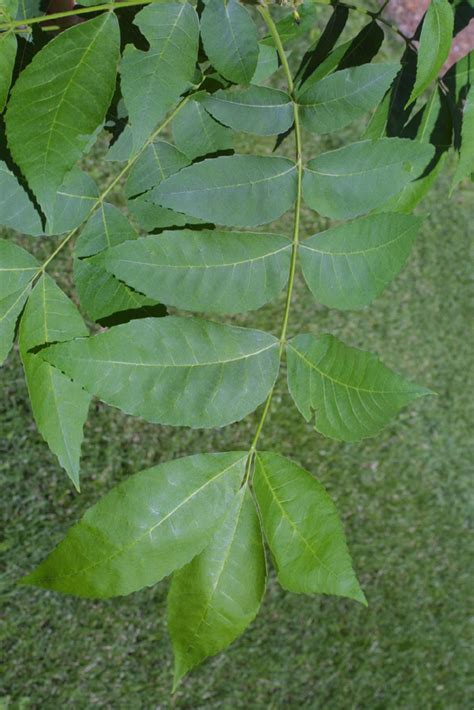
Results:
x,y
403,497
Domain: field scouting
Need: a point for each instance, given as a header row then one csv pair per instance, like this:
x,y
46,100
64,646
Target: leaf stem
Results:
x,y
296,228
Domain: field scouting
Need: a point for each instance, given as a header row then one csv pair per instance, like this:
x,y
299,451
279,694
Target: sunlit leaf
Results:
x,y
151,524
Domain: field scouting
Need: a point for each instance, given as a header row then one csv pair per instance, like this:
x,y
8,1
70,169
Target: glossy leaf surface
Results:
x,y
146,527
177,371
229,36
59,406
236,191
350,394
256,109
165,71
222,272
47,133
338,99
216,596
357,178
303,530
350,265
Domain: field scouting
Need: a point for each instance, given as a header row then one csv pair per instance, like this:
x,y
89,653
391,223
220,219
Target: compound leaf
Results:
x,y
144,528
229,36
58,102
17,268
435,43
10,308
153,81
59,406
73,202
255,109
196,133
303,530
465,165
8,46
16,209
177,371
349,392
267,63
221,272
338,99
350,265
357,178
216,596
236,190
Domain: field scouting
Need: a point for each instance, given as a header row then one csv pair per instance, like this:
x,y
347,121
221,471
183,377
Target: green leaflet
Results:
x,y
378,122
303,530
73,202
435,43
350,265
16,209
229,36
47,133
349,392
142,530
8,47
413,192
289,30
338,99
159,161
100,293
357,178
153,81
176,371
465,165
256,109
196,133
221,272
59,406
236,190
151,217
216,596
10,309
17,268
267,63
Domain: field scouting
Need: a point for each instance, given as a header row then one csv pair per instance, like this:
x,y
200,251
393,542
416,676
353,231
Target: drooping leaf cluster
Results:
x,y
172,84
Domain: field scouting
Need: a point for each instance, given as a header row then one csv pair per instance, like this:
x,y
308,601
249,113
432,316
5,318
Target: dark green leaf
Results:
x,y
7,62
342,97
216,596
152,81
303,530
73,202
196,133
237,190
10,308
256,109
59,406
221,272
267,63
151,217
16,209
51,116
157,162
148,526
349,392
17,268
350,265
177,371
361,176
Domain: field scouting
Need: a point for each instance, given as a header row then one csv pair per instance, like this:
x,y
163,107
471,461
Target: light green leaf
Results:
x,y
377,125
8,47
17,268
10,309
256,109
16,209
153,81
267,63
221,272
229,36
357,178
465,165
216,596
435,43
338,99
350,265
196,133
236,190
73,202
349,392
151,524
59,406
176,371
51,115
303,530
8,9
100,293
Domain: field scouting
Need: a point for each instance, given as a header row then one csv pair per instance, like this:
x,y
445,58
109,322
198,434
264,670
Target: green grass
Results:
x,y
403,497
